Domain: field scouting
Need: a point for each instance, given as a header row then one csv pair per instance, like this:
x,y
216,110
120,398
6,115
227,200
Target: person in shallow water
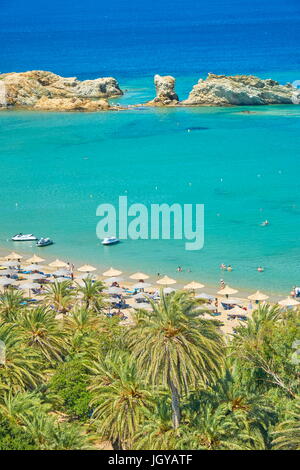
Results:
x,y
260,269
223,266
229,268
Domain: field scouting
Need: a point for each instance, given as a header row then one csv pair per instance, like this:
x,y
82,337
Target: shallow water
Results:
x,y
57,168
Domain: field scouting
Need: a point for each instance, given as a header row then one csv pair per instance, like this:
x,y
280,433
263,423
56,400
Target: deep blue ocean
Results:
x,y
56,168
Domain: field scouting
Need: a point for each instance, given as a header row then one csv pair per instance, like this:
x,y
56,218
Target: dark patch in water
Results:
x,y
196,128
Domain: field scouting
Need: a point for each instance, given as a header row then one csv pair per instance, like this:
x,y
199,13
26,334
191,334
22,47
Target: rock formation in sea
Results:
x,y
42,90
240,90
165,91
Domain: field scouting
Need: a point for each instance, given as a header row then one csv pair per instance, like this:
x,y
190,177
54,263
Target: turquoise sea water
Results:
x,y
56,168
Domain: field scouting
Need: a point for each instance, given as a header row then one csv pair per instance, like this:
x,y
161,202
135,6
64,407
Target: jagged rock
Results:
x,y
165,93
38,89
222,90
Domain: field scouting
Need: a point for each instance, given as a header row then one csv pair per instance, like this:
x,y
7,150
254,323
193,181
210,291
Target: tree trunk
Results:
x,y
175,404
116,444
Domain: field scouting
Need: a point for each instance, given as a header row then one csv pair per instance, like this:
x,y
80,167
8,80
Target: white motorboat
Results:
x,y
44,242
24,238
110,241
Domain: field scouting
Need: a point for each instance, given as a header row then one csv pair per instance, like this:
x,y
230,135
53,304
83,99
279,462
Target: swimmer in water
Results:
x,y
179,269
260,269
223,266
229,268
266,222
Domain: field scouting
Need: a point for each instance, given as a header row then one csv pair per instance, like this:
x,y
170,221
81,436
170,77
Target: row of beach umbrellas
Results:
x,y
12,260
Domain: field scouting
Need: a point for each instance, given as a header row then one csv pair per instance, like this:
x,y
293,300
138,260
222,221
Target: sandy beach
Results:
x,y
237,311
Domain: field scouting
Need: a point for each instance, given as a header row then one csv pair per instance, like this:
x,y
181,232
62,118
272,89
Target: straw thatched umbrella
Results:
x,y
166,281
257,296
115,290
11,264
141,285
193,285
87,268
34,267
289,302
168,290
58,264
227,291
13,255
35,259
139,276
204,296
61,273
7,282
112,272
237,311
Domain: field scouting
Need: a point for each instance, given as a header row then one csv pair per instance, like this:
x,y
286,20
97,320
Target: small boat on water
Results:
x,y
44,242
110,241
29,237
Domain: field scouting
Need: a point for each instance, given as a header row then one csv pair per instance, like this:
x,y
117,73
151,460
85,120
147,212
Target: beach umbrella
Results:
x,y
206,307
10,264
112,272
13,255
61,272
141,305
168,290
60,279
7,272
58,264
165,281
289,302
232,301
35,259
111,280
115,290
227,291
140,295
204,296
237,311
36,276
193,285
86,276
34,267
141,285
139,276
258,296
28,285
7,281
86,268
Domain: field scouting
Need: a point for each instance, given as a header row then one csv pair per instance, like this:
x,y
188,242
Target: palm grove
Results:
x,y
171,380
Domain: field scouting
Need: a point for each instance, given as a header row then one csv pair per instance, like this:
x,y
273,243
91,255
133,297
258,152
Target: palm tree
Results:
x,y
48,434
59,295
21,405
156,432
174,348
20,366
82,330
91,292
10,304
39,330
120,399
287,433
